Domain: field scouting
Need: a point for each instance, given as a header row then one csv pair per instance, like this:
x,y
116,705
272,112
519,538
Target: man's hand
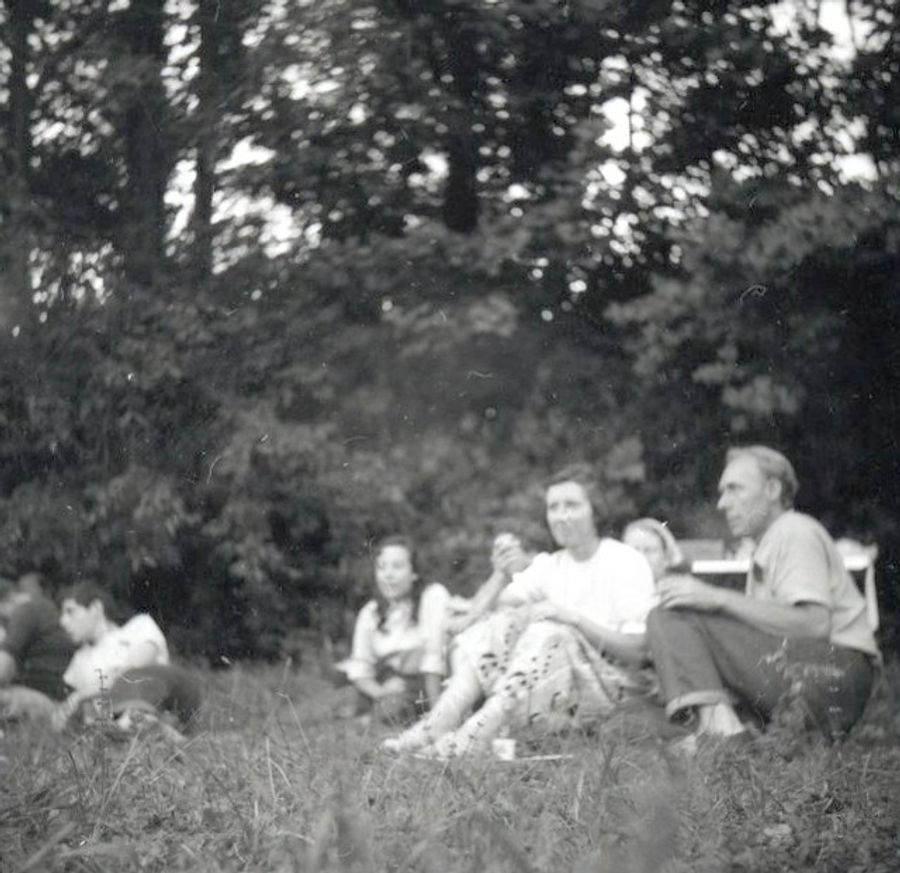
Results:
x,y
686,592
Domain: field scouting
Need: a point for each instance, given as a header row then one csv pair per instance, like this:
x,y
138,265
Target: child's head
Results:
x,y
395,568
655,542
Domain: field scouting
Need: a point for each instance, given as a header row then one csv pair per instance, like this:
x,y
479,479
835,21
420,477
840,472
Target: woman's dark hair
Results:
x,y
85,593
583,475
418,586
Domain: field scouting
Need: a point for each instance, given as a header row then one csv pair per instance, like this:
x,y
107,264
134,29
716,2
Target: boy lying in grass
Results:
x,y
125,668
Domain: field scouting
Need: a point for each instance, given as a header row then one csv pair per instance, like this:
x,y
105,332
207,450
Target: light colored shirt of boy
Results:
x,y
137,643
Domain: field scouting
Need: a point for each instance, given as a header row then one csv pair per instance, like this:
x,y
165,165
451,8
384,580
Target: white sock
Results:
x,y
460,695
479,729
719,719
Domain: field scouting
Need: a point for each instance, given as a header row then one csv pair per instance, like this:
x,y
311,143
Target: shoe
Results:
x,y
444,748
452,745
400,744
688,747
430,753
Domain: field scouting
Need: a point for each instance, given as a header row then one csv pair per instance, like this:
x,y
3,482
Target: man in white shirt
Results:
x,y
125,666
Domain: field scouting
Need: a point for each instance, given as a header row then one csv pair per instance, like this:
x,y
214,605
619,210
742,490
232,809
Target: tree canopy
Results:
x,y
279,278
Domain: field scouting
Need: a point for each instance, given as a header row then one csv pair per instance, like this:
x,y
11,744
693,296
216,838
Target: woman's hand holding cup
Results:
x,y
507,555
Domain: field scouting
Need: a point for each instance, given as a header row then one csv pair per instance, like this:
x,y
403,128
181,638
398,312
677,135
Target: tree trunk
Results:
x,y
207,141
15,290
461,207
145,131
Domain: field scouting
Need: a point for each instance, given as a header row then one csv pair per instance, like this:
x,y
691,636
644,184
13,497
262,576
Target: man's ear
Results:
x,y
774,490
97,608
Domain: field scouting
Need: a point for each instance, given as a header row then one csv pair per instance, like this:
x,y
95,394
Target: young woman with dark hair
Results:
x,y
398,643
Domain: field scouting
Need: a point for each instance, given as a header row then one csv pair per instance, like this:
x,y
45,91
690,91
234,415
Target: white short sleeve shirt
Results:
x,y
404,643
137,643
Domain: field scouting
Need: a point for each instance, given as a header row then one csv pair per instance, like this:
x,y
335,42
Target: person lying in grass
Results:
x,y
123,668
398,659
564,644
798,634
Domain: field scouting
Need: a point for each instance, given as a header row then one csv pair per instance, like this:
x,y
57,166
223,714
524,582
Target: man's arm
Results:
x,y
799,620
143,653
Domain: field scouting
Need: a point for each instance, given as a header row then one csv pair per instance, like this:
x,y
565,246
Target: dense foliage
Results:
x,y
279,278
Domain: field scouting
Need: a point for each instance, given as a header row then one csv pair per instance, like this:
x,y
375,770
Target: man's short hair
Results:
x,y
87,592
584,475
773,465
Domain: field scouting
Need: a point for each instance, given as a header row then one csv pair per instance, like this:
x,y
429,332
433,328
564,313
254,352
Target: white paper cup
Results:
x,y
504,749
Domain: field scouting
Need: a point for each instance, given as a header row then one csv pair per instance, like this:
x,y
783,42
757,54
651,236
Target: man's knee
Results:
x,y
660,619
654,617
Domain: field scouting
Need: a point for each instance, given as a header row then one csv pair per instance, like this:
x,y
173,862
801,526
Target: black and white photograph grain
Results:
x,y
449,436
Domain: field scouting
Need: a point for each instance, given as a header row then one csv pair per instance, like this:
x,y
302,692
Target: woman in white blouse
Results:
x,y
565,643
398,655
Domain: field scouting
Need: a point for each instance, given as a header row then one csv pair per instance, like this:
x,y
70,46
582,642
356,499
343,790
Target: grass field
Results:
x,y
272,783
